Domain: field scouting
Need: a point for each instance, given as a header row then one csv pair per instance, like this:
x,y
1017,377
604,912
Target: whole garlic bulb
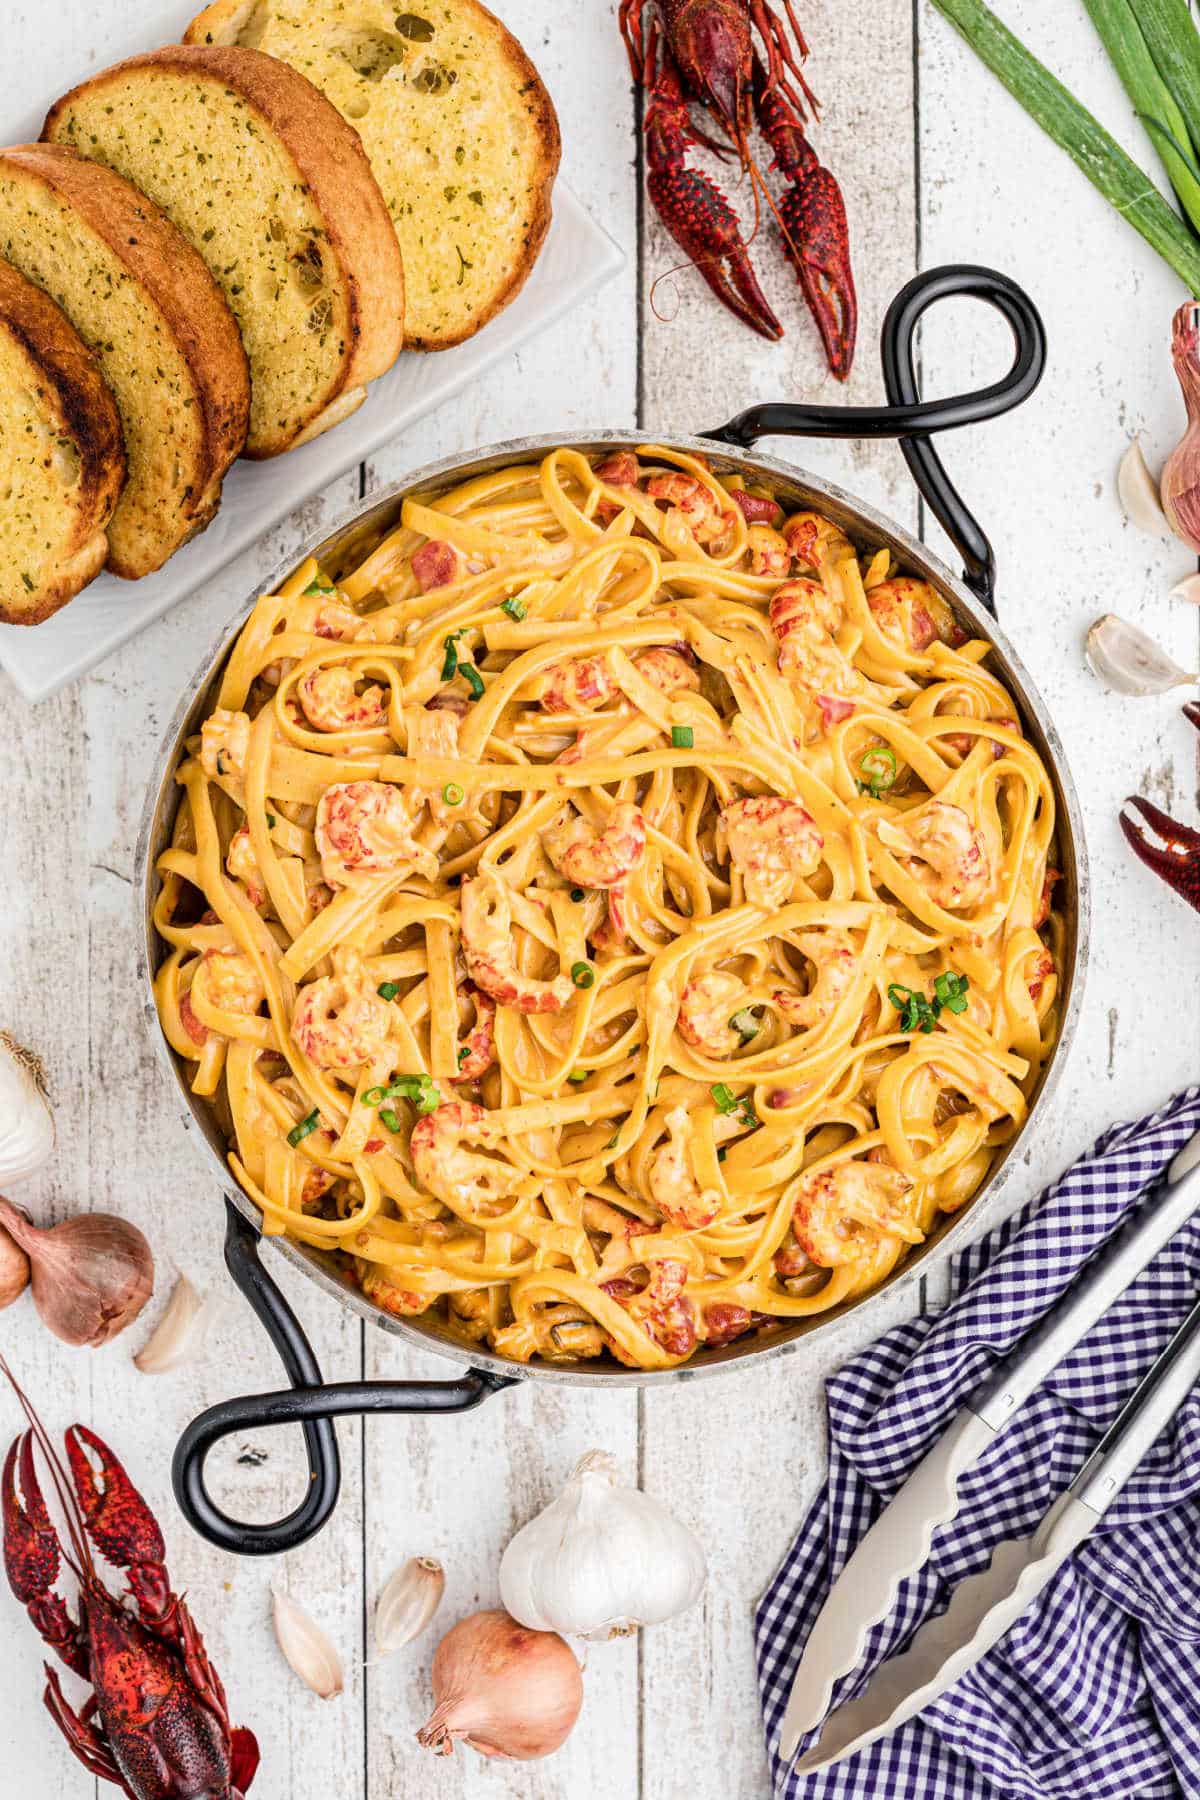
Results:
x,y
601,1560
26,1125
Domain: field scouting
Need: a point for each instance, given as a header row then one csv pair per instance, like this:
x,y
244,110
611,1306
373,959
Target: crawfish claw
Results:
x,y
815,239
118,1521
1170,849
31,1554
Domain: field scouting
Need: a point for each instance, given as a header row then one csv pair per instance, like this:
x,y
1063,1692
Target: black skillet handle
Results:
x,y
913,420
308,1402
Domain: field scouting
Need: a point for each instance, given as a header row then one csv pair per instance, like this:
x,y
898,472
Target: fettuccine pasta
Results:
x,y
613,917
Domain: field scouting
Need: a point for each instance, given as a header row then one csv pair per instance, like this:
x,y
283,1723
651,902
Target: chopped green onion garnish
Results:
x,y
726,1099
917,1013
722,1153
578,1075
452,794
878,771
390,1119
387,990
450,661
951,991
578,894
681,737
473,679
300,1131
463,1055
582,974
270,821
745,1024
747,1114
317,586
514,608
612,1142
419,1089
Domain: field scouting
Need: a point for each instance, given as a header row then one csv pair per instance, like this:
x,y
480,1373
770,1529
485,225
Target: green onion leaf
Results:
x,y
452,794
1167,29
473,679
373,1096
302,1130
514,608
390,1119
682,737
578,1075
745,1024
747,1114
722,1153
582,974
463,1055
450,661
317,586
270,821
387,990
878,770
726,1099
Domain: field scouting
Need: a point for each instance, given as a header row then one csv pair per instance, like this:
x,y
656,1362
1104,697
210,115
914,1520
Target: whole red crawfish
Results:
x,y
156,1722
704,51
1172,850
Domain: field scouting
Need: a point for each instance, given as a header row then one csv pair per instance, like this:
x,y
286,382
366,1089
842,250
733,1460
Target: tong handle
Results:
x,y
1148,1410
1101,1281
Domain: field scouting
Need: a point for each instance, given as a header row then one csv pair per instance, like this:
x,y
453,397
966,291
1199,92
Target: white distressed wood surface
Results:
x,y
938,165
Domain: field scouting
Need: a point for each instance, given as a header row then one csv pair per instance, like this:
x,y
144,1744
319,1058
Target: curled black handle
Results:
x,y
308,1402
913,420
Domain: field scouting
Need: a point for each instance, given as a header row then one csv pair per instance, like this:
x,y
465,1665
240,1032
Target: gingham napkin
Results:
x,y
1095,1693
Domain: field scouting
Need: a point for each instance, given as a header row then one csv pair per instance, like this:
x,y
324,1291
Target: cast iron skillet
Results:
x,y
310,1401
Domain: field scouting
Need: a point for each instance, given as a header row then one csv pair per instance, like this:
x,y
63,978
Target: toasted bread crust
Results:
x,y
330,160
178,283
223,21
89,418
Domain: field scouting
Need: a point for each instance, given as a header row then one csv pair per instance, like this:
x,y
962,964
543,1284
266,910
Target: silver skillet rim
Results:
x,y
866,524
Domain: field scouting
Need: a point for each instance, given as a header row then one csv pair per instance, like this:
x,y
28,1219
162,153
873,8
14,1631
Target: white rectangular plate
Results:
x,y
577,258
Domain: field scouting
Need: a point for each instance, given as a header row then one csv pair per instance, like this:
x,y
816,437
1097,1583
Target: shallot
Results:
x,y
1180,485
91,1275
14,1270
26,1123
502,1689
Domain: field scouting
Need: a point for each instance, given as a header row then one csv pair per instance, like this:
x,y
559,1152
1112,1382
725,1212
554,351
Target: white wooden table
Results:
x,y
938,165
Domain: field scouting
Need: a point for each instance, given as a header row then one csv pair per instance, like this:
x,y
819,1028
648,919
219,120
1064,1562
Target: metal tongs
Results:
x,y
984,1606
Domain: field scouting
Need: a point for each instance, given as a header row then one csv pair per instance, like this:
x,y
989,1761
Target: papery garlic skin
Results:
x,y
1180,484
26,1122
601,1560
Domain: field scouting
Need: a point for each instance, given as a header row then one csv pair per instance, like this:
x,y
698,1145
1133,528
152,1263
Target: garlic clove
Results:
x,y
408,1602
1138,493
1126,660
1187,589
179,1335
306,1649
26,1122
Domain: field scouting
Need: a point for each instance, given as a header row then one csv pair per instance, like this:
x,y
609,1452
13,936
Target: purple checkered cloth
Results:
x,y
1095,1693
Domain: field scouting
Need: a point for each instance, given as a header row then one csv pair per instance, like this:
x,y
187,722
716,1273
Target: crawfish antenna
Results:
x,y
81,1563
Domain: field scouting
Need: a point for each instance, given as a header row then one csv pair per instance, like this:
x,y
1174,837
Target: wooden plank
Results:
x,y
459,1488
740,1456
1043,483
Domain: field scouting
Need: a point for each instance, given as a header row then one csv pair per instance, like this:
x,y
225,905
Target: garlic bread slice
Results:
x,y
61,461
459,129
272,188
145,303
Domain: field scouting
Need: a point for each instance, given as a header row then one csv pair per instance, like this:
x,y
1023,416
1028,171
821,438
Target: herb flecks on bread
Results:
x,y
61,461
459,129
271,187
165,340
